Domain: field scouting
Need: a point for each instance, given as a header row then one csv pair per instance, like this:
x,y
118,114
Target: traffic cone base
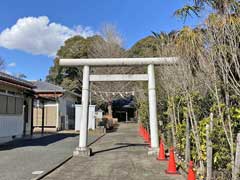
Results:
x,y
160,159
173,173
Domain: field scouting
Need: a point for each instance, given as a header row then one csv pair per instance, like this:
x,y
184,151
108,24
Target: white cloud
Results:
x,y
7,72
37,35
12,64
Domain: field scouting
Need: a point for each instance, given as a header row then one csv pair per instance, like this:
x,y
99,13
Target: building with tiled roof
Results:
x,y
16,97
55,104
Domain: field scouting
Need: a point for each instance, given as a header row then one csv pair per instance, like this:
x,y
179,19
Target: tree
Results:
x,y
216,61
146,47
221,7
107,44
70,77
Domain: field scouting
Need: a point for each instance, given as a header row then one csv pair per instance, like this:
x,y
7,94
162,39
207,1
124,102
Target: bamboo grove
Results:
x,y
199,97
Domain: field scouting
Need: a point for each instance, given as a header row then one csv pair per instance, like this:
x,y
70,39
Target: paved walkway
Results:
x,y
119,155
20,158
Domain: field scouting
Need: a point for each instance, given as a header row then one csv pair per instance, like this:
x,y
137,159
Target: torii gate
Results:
x,y
82,149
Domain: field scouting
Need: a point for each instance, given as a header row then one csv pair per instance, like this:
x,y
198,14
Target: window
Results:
x,y
19,105
2,91
11,92
3,104
11,105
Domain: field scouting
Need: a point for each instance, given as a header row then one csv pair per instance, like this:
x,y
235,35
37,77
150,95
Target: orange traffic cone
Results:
x,y
161,154
145,134
148,139
171,163
191,173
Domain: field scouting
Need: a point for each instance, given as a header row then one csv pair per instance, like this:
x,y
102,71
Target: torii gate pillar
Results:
x,y
82,149
152,109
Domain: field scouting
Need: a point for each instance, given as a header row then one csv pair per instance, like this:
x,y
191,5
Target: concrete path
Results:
x,y
119,155
20,158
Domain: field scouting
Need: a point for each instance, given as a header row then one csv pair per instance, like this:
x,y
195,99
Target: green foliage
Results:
x,y
180,135
146,47
203,105
221,151
143,112
187,11
202,134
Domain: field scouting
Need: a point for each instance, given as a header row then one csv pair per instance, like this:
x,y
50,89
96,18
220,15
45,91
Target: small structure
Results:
x,y
54,106
16,98
91,117
124,109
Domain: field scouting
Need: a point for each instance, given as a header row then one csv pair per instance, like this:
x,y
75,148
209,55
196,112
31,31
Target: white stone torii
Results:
x,y
150,77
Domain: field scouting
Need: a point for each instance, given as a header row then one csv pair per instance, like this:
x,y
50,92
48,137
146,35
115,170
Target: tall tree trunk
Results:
x,y
229,121
227,132
187,147
178,112
209,129
237,159
194,125
174,121
171,117
173,132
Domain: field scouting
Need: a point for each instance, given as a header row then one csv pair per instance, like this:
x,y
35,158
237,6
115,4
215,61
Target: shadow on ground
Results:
x,y
119,146
42,141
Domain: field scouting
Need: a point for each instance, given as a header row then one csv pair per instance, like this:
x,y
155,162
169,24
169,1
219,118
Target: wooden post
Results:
x,y
43,114
32,109
237,159
110,108
209,129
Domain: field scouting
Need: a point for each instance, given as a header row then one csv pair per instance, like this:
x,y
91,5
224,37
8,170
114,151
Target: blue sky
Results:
x,y
27,51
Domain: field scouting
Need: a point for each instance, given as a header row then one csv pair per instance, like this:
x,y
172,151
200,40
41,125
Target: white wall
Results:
x,y
13,124
91,117
10,125
64,101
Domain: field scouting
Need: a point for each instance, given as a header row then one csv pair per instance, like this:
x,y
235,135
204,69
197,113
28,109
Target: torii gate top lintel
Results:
x,y
118,61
